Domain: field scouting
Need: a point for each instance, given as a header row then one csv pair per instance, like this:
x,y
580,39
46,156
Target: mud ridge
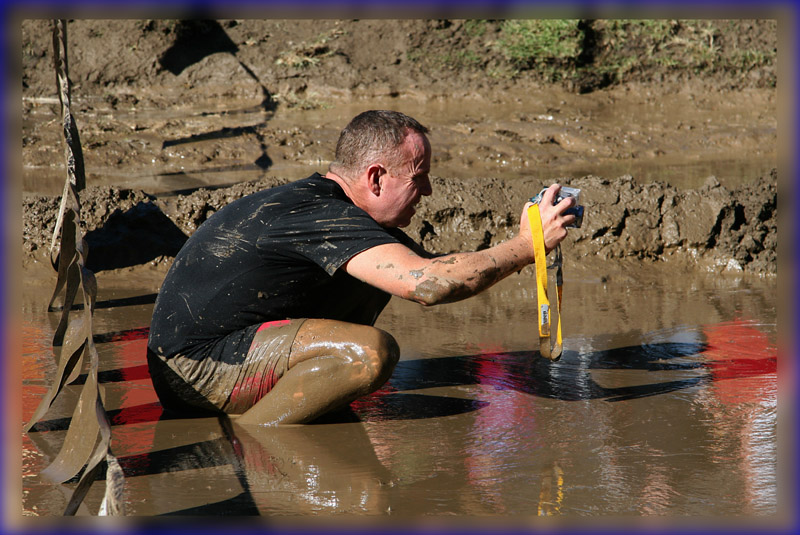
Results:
x,y
711,227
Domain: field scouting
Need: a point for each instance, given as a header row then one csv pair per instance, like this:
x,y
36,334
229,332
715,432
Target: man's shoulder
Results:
x,y
297,191
314,186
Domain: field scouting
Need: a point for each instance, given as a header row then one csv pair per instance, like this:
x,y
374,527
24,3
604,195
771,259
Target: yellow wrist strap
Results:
x,y
540,256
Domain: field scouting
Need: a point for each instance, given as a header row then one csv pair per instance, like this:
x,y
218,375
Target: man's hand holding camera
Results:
x,y
558,210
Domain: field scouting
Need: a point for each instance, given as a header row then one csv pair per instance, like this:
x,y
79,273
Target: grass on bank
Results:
x,y
615,48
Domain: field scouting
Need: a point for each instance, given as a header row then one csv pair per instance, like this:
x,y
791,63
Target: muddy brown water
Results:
x,y
664,403
679,138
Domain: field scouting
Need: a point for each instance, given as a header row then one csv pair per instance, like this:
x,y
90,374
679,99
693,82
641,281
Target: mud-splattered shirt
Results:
x,y
270,255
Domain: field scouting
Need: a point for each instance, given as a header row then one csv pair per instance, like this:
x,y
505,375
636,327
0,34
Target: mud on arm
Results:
x,y
400,271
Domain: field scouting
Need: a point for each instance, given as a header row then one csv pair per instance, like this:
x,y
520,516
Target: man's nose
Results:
x,y
425,187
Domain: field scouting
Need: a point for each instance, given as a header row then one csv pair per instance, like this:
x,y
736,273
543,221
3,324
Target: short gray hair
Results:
x,y
370,136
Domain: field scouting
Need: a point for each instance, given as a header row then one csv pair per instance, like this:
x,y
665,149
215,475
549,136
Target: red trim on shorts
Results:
x,y
259,385
276,323
257,382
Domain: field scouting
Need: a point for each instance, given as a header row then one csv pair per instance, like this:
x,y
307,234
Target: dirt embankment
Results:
x,y
176,102
286,65
298,60
712,226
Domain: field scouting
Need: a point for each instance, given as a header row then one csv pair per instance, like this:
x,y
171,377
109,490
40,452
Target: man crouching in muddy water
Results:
x,y
267,310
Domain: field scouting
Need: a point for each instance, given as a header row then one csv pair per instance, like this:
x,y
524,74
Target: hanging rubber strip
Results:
x,y
543,310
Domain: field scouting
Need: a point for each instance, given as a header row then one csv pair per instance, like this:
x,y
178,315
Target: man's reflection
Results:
x,y
319,468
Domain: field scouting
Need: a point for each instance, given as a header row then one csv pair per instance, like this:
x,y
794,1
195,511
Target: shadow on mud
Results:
x,y
146,299
263,162
137,236
196,39
568,379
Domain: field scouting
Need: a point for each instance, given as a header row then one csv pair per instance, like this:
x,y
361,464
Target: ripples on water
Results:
x,y
677,420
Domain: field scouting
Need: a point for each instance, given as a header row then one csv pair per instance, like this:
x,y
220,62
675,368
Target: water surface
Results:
x,y
664,403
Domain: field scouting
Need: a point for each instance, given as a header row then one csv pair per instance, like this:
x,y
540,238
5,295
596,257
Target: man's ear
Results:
x,y
374,174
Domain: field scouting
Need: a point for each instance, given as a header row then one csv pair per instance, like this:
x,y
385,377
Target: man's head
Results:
x,y
383,159
374,136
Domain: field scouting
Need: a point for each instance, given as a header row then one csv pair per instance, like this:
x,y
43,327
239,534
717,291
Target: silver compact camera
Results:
x,y
565,192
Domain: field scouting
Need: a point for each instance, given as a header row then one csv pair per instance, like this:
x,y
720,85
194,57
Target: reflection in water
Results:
x,y
228,469
327,468
684,422
650,452
657,492
733,351
552,494
568,379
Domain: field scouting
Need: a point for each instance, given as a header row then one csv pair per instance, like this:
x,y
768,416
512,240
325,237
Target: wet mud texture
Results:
x,y
178,102
180,106
301,58
711,227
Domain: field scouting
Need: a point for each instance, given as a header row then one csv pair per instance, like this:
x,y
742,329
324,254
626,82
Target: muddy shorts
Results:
x,y
231,383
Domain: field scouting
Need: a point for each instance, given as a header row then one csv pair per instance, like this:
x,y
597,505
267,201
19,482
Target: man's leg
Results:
x,y
331,363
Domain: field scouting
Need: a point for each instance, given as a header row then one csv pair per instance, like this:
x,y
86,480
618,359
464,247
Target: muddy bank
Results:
x,y
712,227
297,62
168,105
716,228
185,104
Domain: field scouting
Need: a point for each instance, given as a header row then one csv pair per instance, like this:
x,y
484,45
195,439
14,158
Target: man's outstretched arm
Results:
x,y
398,270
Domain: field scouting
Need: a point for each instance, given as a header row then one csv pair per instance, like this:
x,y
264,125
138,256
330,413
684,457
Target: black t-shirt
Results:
x,y
271,255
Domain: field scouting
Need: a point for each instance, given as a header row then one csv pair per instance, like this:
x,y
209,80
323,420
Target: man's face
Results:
x,y
403,186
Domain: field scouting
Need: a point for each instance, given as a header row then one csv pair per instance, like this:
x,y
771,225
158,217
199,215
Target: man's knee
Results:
x,y
388,349
381,355
370,353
